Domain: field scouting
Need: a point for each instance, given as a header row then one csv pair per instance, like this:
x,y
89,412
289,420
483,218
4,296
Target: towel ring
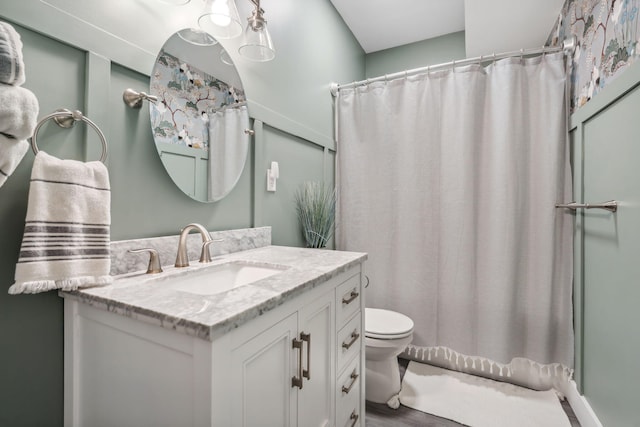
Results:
x,y
66,118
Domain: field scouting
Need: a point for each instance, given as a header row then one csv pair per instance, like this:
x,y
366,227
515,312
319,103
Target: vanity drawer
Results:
x,y
349,341
348,391
348,297
348,396
350,415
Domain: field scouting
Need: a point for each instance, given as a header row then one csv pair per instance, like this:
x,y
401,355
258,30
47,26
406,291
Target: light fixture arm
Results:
x,y
256,20
257,4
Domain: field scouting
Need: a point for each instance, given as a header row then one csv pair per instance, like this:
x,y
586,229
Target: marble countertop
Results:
x,y
151,299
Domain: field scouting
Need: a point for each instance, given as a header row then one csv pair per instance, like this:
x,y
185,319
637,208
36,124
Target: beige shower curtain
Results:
x,y
449,181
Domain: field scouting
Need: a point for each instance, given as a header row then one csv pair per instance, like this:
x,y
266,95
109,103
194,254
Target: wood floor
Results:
x,y
380,415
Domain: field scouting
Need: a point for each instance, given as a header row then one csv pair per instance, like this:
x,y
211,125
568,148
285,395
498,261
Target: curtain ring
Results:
x,y
522,55
454,66
494,57
406,74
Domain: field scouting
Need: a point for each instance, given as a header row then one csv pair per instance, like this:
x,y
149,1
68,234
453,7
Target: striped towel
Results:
x,y
66,236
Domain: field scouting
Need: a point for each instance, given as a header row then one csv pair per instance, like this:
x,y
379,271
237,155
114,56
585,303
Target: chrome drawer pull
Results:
x,y
354,338
354,417
354,377
297,381
354,294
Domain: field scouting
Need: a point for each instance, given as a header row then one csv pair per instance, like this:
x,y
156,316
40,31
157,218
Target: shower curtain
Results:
x,y
449,181
228,147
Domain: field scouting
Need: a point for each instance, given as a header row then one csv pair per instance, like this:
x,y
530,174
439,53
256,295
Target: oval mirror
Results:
x,y
200,121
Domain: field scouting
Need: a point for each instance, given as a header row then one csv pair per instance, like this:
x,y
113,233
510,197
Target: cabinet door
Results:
x,y
261,394
315,398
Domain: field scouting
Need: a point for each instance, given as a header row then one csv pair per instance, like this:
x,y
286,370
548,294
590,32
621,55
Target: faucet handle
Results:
x,y
205,254
154,259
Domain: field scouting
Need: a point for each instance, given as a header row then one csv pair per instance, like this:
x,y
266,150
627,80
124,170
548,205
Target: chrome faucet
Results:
x,y
182,259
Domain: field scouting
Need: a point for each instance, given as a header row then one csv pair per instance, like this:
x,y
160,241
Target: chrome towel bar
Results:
x,y
610,206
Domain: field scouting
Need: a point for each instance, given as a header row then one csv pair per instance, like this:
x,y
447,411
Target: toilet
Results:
x,y
387,333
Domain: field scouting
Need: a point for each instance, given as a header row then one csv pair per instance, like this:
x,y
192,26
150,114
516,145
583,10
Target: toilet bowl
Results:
x,y
387,333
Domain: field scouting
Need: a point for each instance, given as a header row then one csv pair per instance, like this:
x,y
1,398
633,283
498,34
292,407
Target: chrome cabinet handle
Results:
x,y
354,338
354,417
354,377
306,373
610,206
297,381
354,294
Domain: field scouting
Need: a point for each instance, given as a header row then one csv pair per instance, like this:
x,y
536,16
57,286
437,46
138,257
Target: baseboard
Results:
x,y
581,407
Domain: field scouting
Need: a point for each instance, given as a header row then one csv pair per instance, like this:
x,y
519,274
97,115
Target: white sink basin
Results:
x,y
220,278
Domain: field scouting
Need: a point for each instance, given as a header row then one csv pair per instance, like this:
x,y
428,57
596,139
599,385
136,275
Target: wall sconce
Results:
x,y
257,44
220,18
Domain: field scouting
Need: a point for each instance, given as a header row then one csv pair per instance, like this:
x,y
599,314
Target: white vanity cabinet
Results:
x,y
283,375
298,364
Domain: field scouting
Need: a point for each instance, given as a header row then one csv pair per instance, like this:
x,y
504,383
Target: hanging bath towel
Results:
x,y
18,118
66,236
11,61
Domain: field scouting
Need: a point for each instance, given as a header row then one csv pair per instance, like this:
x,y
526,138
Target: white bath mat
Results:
x,y
478,402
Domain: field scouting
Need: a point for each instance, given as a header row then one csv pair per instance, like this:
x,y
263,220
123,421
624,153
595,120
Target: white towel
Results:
x,y
66,236
18,117
11,153
11,62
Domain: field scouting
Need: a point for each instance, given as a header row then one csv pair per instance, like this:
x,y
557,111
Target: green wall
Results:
x,y
604,149
438,50
75,64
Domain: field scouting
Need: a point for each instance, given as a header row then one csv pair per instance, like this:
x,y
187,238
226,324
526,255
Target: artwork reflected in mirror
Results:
x,y
200,120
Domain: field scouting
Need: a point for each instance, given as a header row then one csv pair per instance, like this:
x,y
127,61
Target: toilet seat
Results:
x,y
386,324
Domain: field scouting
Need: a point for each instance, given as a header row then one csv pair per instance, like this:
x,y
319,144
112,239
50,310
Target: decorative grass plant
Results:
x,y
316,208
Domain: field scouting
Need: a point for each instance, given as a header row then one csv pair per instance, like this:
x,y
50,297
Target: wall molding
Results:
x,y
278,121
610,95
50,21
581,407
623,84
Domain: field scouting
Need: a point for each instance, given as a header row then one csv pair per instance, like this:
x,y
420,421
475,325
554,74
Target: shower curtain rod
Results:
x,y
567,47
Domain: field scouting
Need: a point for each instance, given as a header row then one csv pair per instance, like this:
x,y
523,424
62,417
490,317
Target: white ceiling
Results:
x,y
489,25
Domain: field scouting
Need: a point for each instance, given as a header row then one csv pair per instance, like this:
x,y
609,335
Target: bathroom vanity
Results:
x,y
284,347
